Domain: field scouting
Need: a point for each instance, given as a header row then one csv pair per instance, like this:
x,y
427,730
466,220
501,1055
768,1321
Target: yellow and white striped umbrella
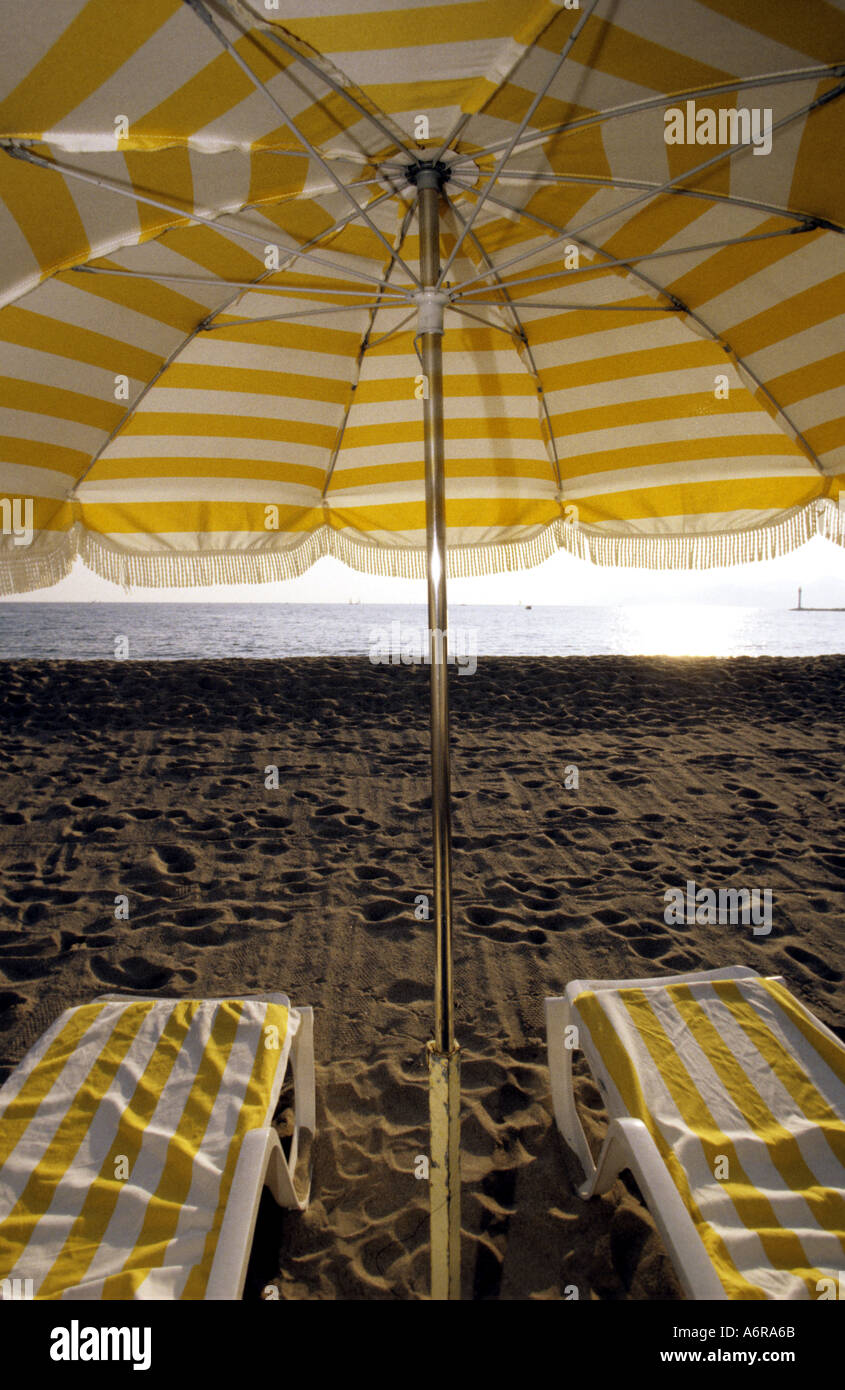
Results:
x,y
210,254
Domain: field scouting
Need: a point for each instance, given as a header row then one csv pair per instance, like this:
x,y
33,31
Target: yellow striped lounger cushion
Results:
x,y
119,1136
743,1092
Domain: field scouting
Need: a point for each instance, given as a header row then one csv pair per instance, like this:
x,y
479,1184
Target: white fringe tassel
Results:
x,y
21,574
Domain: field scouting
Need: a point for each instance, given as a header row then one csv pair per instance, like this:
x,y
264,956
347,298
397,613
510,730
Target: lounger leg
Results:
x,y
290,1180
615,1155
278,1176
305,1123
558,1020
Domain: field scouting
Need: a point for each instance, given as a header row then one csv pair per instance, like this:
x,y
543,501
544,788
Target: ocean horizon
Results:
x,y
199,631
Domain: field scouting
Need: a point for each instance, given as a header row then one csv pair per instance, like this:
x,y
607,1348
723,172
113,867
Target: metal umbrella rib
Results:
x,y
602,182
525,345
366,342
666,187
772,79
204,325
301,291
200,10
393,136
207,327
622,262
808,224
185,214
567,48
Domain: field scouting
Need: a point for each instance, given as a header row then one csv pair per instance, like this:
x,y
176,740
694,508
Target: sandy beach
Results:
x,y
149,780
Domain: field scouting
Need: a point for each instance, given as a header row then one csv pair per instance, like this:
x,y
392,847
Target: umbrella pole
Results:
x,y
443,1052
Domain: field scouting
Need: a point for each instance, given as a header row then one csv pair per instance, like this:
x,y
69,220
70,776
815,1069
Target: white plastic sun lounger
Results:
x,y
726,1099
135,1139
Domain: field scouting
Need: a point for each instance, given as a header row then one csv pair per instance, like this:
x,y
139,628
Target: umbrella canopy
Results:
x,y
211,256
433,290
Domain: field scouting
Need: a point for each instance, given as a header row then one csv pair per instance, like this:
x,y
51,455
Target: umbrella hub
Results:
x,y
428,173
400,178
430,303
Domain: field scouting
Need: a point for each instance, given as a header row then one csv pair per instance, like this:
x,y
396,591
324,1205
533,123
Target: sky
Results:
x,y
818,567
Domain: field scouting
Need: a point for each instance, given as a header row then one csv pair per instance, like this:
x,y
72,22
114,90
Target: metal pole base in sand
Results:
x,y
444,1100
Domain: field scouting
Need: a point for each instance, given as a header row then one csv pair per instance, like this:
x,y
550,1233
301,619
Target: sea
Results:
x,y
197,631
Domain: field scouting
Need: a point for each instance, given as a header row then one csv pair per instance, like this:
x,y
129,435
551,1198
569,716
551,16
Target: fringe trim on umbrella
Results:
x,y
183,569
767,542
22,574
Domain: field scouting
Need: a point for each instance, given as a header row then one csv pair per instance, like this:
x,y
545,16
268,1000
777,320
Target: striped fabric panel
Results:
x,y
737,1071
143,439
119,1141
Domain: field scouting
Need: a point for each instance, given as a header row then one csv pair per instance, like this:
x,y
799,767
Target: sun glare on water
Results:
x,y
683,629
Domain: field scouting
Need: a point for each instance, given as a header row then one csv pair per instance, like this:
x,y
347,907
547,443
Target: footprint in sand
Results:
x,y
368,872
626,778
488,922
27,967
173,859
90,825
406,992
135,972
9,1001
197,916
298,881
380,909
609,916
222,933
813,963
539,904
834,862
34,913
335,821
